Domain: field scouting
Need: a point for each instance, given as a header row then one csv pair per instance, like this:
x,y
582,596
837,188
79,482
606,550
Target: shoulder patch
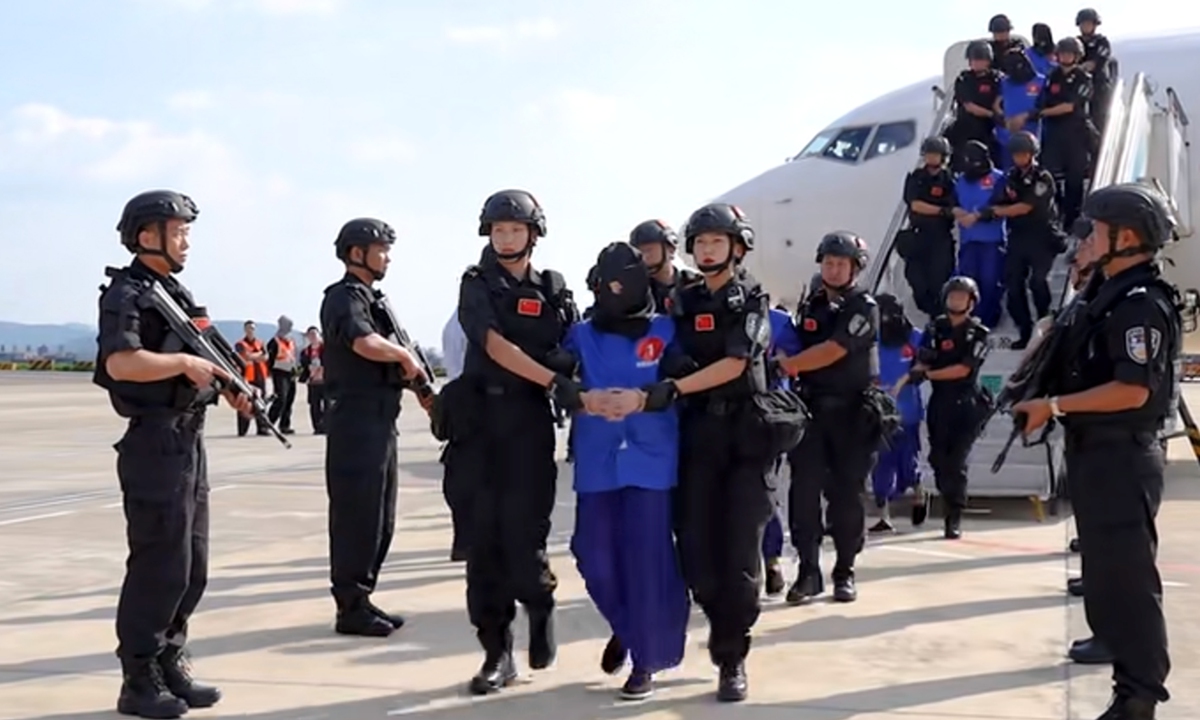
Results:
x,y
758,329
471,272
1135,344
859,326
1041,189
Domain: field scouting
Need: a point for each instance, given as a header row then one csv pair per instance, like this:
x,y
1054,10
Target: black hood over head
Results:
x,y
624,300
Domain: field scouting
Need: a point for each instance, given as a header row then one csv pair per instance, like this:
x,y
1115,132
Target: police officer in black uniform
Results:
x,y
724,498
838,325
1068,136
975,92
1002,41
365,374
927,246
515,320
1034,235
1097,60
658,241
164,392
1114,393
953,348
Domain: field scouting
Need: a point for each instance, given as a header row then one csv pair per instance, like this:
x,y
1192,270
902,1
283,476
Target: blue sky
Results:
x,y
285,118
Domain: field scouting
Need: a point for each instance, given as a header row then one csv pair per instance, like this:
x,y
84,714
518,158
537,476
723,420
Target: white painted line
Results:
x,y
31,518
113,505
219,488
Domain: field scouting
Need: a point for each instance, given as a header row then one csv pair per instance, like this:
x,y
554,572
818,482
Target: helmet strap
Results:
x,y
718,268
364,264
160,251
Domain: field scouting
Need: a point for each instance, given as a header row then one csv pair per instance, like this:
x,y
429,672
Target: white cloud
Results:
x,y
268,7
191,100
581,113
383,149
504,36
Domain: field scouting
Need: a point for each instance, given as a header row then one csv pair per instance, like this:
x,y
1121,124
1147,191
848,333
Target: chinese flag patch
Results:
x,y
705,322
947,344
906,352
936,191
810,325
529,307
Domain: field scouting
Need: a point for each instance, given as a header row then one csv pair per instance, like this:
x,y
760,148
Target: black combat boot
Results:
x,y
844,589
1075,587
953,529
1126,708
144,693
775,583
732,684
359,619
396,621
498,670
1090,651
809,584
177,675
614,656
542,646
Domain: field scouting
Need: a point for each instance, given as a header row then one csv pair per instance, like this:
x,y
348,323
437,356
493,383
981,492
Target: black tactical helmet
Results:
x,y
979,50
999,24
936,144
1087,15
719,218
1023,142
844,244
961,282
1070,45
154,206
362,232
1138,207
653,231
515,206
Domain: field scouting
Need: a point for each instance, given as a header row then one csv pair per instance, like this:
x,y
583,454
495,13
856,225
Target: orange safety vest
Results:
x,y
285,356
255,371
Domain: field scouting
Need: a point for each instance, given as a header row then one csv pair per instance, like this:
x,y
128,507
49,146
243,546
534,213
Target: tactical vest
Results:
x,y
532,316
701,320
815,322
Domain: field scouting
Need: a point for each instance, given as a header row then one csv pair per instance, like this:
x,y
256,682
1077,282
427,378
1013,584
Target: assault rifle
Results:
x,y
1030,379
207,342
422,389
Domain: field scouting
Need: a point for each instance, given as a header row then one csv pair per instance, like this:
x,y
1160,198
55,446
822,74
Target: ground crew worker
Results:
x,y
928,249
283,361
980,231
784,343
312,373
1114,392
1002,41
838,325
515,320
628,466
163,390
723,329
1068,135
1020,89
1041,54
657,242
254,356
898,470
365,374
953,348
1098,61
975,92
1034,235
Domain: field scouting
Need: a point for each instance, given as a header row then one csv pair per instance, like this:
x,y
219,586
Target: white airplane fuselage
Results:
x,y
850,177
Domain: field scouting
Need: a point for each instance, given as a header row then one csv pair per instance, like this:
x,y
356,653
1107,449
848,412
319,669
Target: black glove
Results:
x,y
660,396
916,376
567,393
987,214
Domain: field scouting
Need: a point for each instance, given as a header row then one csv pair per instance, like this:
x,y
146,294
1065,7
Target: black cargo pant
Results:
x,y
316,406
284,383
1116,484
462,471
952,421
1066,153
361,479
163,472
1026,272
724,500
834,458
929,269
511,511
243,422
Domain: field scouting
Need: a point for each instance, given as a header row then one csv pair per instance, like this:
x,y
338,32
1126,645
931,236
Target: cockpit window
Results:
x,y
891,137
817,144
848,145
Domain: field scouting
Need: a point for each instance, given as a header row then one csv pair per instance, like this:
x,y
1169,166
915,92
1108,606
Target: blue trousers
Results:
x,y
984,262
898,466
625,551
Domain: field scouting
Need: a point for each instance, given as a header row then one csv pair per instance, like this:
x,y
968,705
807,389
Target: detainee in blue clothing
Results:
x,y
898,471
626,465
786,341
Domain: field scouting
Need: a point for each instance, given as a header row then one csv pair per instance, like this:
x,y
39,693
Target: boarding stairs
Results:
x,y
1145,140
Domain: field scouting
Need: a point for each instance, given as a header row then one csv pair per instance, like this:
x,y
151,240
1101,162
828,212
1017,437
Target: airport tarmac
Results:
x,y
973,629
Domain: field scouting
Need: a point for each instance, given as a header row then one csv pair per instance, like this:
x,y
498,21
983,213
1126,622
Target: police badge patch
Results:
x,y
758,330
1041,189
1135,343
859,326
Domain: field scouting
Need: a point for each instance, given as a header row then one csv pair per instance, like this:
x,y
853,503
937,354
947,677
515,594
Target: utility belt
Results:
x,y
1088,436
190,420
381,402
